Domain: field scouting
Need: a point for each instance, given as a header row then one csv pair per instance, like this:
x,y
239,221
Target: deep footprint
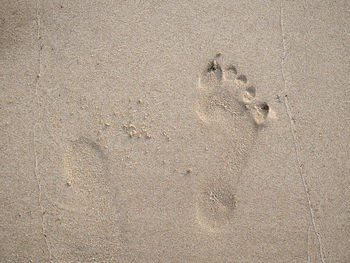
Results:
x,y
228,106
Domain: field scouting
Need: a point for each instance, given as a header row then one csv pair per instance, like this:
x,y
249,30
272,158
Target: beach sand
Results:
x,y
203,131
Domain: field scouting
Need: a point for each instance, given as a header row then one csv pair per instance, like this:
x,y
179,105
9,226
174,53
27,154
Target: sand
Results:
x,y
204,131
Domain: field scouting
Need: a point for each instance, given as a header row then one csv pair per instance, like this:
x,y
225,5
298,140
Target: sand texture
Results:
x,y
174,131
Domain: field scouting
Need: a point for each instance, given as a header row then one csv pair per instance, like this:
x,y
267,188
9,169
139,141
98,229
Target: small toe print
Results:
x,y
249,95
230,72
251,90
260,112
264,107
242,78
232,69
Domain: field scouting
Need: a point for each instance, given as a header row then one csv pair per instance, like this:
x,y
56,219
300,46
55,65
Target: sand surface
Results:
x,y
177,131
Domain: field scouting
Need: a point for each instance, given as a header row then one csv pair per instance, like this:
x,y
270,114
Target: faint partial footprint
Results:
x,y
228,107
85,209
216,204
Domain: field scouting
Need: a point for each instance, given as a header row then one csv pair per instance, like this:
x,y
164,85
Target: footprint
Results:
x,y
228,107
86,218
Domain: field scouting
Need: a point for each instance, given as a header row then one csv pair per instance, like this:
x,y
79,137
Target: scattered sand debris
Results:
x,y
146,133
133,132
166,135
